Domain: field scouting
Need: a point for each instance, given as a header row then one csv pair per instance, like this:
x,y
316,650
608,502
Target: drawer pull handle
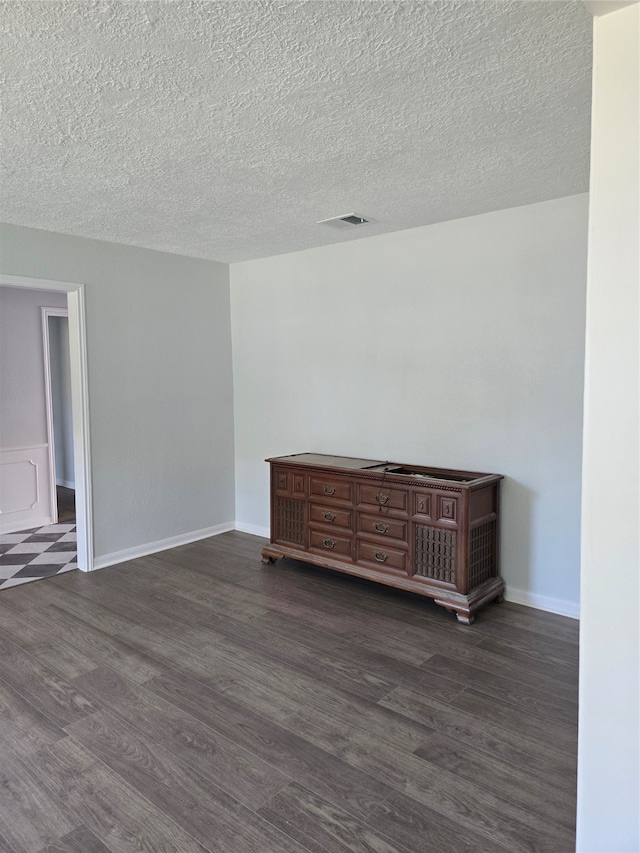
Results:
x,y
329,490
381,528
380,557
382,499
329,516
328,543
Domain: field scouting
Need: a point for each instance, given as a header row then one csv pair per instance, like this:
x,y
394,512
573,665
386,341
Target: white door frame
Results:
x,y
46,313
79,404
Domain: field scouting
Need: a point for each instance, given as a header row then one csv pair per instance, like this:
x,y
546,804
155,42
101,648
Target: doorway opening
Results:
x,y
32,464
59,412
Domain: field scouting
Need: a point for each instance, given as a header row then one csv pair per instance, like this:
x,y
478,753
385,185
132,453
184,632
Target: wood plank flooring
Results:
x,y
197,701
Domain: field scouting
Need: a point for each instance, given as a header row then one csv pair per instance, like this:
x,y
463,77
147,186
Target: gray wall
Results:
x,y
23,413
61,400
160,382
459,345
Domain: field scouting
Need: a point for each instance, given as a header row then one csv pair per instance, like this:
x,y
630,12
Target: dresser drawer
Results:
x,y
289,482
331,516
382,525
447,509
422,504
332,489
329,544
381,495
381,557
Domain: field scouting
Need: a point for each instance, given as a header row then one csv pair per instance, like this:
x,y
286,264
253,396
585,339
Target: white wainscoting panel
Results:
x,y
25,498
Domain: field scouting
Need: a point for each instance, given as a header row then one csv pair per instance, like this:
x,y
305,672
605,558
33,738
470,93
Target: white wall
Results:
x,y
609,754
458,344
23,412
60,367
160,383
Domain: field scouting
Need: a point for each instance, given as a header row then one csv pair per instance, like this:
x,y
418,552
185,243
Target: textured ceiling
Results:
x,y
226,129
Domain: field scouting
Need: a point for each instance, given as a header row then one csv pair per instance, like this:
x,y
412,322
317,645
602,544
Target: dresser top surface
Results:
x,y
407,472
327,461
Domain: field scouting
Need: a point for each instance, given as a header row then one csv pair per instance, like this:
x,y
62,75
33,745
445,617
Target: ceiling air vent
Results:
x,y
345,221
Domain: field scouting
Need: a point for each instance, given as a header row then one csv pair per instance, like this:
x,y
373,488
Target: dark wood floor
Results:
x,y
197,700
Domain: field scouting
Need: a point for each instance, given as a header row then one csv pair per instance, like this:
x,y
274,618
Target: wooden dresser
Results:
x,y
427,530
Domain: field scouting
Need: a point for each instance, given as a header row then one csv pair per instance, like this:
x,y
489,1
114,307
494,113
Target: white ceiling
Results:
x,y
226,129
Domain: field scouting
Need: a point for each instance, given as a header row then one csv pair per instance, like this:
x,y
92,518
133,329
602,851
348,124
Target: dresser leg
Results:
x,y
465,618
268,560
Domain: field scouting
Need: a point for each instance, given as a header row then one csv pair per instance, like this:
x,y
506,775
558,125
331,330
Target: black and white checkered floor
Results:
x,y
39,553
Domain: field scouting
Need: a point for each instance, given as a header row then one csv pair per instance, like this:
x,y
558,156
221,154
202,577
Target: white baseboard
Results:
x,y
253,529
68,484
543,602
160,545
33,523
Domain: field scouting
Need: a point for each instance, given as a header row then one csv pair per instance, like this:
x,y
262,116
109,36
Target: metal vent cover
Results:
x,y
347,220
